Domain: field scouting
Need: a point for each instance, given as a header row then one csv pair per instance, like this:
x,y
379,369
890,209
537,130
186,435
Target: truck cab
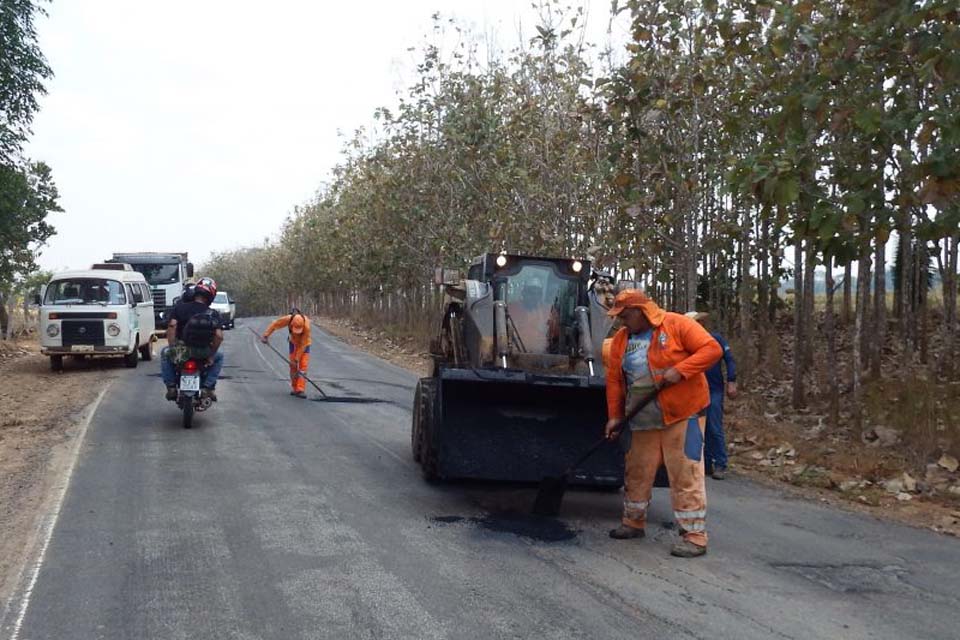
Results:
x,y
165,273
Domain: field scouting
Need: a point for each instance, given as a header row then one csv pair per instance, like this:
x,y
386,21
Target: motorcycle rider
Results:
x,y
178,351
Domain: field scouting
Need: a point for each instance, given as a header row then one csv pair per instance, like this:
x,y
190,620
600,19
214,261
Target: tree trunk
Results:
x,y
847,294
830,330
863,294
923,259
950,305
863,305
879,309
809,318
798,327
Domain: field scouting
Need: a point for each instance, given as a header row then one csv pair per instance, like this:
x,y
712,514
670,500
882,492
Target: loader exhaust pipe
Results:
x,y
582,315
500,327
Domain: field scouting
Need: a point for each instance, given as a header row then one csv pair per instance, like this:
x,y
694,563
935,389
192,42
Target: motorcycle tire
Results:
x,y
187,407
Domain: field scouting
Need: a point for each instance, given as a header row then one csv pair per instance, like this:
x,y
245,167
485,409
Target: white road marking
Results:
x,y
49,523
270,364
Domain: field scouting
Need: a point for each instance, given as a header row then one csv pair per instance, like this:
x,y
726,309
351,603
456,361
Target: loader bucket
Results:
x,y
511,425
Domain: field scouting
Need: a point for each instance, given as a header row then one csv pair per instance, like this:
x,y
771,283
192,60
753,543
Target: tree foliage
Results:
x,y
27,191
733,144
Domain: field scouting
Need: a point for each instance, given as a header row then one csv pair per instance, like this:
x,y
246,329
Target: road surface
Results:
x,y
277,517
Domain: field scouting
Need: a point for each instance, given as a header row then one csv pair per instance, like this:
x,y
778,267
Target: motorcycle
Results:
x,y
189,397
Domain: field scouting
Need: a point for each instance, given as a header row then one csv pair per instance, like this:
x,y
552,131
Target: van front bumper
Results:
x,y
79,350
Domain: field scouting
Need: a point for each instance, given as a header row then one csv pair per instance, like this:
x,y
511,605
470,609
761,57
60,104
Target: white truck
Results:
x,y
166,273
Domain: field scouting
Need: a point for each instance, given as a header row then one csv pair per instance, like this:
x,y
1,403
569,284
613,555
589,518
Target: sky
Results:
x,y
198,126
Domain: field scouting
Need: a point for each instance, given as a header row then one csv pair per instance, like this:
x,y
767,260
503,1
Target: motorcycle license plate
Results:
x,y
189,383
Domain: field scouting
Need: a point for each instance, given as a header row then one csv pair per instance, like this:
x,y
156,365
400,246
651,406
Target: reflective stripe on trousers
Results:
x,y
679,447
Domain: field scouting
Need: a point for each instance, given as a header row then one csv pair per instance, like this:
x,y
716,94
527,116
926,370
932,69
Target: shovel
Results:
x,y
272,348
551,490
324,397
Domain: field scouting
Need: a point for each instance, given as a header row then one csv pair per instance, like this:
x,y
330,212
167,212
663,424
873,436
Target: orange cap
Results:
x,y
296,325
626,299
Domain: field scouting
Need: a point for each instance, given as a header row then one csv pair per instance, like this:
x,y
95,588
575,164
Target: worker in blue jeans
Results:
x,y
715,444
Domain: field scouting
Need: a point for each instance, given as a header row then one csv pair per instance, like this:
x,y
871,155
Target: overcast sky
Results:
x,y
197,126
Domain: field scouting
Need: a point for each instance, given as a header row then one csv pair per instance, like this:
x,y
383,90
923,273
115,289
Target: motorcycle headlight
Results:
x,y
53,330
113,330
577,266
501,261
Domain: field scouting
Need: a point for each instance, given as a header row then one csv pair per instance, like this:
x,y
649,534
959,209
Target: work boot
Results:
x,y
626,532
209,393
685,549
719,473
171,393
301,394
293,393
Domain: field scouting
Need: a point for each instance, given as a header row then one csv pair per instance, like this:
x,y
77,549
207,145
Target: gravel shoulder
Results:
x,y
39,414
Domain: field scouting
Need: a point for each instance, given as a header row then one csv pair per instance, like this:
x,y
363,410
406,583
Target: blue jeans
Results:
x,y
168,370
715,444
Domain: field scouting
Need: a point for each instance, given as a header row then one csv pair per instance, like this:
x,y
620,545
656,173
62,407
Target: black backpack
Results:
x,y
200,329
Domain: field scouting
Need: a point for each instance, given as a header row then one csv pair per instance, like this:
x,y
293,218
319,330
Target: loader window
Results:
x,y
541,304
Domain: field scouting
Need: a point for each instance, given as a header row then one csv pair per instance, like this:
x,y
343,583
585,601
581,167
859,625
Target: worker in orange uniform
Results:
x,y
299,343
670,352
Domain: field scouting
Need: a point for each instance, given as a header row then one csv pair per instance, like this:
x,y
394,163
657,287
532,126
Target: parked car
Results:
x,y
225,305
106,310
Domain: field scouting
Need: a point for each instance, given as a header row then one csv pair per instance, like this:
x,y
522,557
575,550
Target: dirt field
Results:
x,y
793,452
39,412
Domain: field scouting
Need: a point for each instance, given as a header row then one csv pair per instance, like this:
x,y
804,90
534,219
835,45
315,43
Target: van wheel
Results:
x,y
131,359
56,363
146,352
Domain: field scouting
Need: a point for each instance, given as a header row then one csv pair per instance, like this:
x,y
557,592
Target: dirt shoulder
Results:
x,y
792,452
402,353
39,413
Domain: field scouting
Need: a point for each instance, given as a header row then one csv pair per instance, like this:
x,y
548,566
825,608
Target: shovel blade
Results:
x,y
550,496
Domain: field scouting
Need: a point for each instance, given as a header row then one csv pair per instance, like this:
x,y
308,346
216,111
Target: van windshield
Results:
x,y
221,298
159,273
85,291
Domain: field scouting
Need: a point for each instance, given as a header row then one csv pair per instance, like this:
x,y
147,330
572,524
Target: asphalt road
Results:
x,y
277,517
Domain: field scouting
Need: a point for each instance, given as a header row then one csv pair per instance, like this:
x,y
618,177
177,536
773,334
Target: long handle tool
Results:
x,y
551,490
301,374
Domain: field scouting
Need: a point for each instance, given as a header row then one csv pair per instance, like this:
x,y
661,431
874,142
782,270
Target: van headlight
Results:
x,y
113,330
53,330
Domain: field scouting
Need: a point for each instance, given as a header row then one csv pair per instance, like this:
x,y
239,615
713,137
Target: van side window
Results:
x,y
130,297
137,293
147,296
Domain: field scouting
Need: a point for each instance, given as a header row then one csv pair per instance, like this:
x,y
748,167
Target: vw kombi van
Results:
x,y
106,310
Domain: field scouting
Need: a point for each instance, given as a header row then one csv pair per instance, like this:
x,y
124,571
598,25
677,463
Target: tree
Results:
x,y
27,196
27,191
22,72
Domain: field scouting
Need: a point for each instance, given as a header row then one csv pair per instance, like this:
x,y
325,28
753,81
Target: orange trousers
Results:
x,y
298,382
679,447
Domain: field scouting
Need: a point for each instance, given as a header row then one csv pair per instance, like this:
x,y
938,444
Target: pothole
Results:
x,y
853,578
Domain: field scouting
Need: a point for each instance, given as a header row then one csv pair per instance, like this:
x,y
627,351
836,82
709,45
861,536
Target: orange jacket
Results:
x,y
300,341
679,342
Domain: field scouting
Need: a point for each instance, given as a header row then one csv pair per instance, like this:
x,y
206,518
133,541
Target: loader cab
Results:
x,y
541,295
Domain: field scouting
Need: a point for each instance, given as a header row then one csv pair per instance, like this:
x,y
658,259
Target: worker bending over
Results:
x,y
299,344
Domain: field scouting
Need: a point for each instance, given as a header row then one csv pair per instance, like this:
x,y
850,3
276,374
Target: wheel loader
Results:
x,y
518,386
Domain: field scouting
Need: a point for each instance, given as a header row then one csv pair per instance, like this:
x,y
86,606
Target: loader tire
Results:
x,y
423,425
415,426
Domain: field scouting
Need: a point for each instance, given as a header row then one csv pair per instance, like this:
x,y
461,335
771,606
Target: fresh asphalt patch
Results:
x,y
522,525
